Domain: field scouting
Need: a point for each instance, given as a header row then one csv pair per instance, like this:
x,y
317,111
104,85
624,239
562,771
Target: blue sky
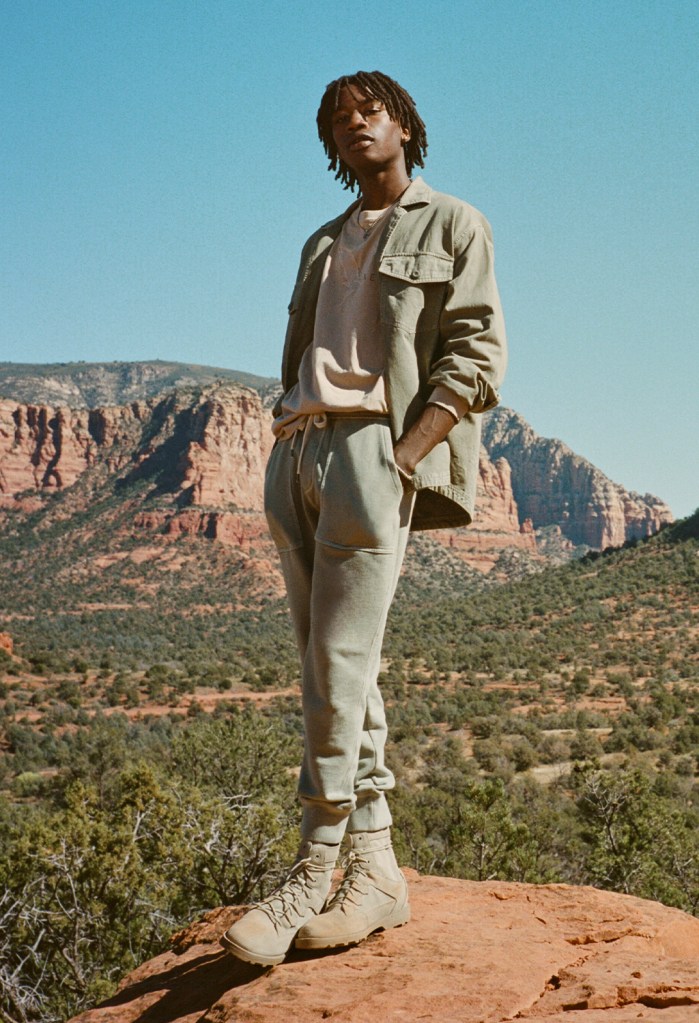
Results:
x,y
160,170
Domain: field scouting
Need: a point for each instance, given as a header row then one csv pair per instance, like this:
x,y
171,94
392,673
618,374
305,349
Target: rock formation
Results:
x,y
211,446
205,449
45,448
208,449
553,485
224,460
497,526
485,952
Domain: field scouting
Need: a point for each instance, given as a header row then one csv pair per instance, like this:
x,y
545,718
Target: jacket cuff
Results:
x,y
447,399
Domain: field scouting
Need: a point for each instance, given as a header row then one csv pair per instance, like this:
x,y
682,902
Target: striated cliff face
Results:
x,y
553,485
205,451
201,454
50,448
206,448
45,444
224,460
497,526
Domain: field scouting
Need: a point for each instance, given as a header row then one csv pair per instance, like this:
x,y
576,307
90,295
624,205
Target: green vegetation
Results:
x,y
90,384
140,833
542,730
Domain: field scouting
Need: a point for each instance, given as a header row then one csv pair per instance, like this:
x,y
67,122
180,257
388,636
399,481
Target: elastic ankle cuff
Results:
x,y
316,829
370,815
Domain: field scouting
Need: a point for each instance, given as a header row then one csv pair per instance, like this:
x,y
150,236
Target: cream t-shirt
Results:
x,y
342,370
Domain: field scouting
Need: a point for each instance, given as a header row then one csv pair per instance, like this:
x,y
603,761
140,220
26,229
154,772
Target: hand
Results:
x,y
402,464
406,477
431,428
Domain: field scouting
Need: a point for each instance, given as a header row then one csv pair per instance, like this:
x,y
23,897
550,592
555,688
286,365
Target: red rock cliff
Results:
x,y
496,527
553,485
212,446
207,449
224,458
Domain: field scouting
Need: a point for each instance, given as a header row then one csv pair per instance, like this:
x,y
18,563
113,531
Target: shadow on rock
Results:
x,y
192,986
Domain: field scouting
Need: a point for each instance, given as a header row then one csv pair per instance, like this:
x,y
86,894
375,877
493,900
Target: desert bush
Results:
x,y
128,850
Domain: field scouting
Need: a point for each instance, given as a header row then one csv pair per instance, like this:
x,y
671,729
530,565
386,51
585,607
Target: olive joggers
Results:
x,y
339,516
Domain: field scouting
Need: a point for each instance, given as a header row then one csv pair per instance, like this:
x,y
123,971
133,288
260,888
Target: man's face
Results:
x,y
366,137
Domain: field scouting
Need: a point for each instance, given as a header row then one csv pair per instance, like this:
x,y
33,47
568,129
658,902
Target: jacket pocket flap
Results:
x,y
418,267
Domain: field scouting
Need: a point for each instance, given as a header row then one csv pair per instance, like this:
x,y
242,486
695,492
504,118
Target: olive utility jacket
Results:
x,y
441,324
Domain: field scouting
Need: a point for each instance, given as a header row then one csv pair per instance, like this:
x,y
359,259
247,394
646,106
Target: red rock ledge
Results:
x,y
474,953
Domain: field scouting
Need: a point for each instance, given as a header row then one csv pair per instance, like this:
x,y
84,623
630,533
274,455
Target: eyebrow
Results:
x,y
359,102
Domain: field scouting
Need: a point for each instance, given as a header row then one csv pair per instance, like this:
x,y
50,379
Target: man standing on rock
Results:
x,y
394,347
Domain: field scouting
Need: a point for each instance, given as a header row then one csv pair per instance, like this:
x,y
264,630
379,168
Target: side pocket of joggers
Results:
x,y
279,503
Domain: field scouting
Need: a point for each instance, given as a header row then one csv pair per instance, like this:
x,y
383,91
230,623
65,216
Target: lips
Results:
x,y
360,142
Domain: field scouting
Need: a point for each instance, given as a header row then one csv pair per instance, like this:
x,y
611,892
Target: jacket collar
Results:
x,y
417,193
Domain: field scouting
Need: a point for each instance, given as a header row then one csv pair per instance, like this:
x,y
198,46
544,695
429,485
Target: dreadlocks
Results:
x,y
399,105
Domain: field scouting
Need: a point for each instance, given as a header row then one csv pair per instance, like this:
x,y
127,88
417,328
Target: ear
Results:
x,y
405,134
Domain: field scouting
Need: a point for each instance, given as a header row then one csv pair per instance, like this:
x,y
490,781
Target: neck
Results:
x,y
381,190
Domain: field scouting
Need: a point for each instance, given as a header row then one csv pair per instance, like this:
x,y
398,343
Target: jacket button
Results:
x,y
415,274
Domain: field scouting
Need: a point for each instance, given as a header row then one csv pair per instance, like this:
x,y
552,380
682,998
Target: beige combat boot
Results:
x,y
373,896
266,932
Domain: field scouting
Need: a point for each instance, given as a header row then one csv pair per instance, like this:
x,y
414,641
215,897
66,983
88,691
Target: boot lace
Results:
x,y
291,898
354,885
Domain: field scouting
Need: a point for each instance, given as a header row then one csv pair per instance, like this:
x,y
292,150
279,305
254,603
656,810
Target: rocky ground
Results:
x,y
474,953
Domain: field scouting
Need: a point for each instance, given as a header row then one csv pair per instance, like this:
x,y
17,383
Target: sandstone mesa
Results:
x,y
215,441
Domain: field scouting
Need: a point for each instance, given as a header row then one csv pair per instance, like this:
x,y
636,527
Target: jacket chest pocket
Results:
x,y
413,288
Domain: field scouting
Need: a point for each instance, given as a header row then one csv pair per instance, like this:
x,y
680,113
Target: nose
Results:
x,y
357,120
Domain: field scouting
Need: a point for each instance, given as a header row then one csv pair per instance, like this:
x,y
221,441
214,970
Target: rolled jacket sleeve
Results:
x,y
446,399
473,353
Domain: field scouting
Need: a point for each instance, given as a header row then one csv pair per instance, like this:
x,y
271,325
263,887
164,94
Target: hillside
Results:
x,y
87,385
599,656
142,551
541,731
536,497
544,727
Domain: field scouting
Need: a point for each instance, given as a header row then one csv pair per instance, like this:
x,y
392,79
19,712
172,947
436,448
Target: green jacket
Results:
x,y
442,324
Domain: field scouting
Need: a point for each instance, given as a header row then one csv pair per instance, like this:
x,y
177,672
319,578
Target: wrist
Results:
x,y
404,463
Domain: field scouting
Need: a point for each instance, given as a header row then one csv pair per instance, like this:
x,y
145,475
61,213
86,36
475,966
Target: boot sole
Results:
x,y
250,957
397,918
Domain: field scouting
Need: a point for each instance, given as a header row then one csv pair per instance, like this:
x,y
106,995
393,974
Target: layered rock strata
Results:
x,y
206,449
44,448
209,448
553,485
497,526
